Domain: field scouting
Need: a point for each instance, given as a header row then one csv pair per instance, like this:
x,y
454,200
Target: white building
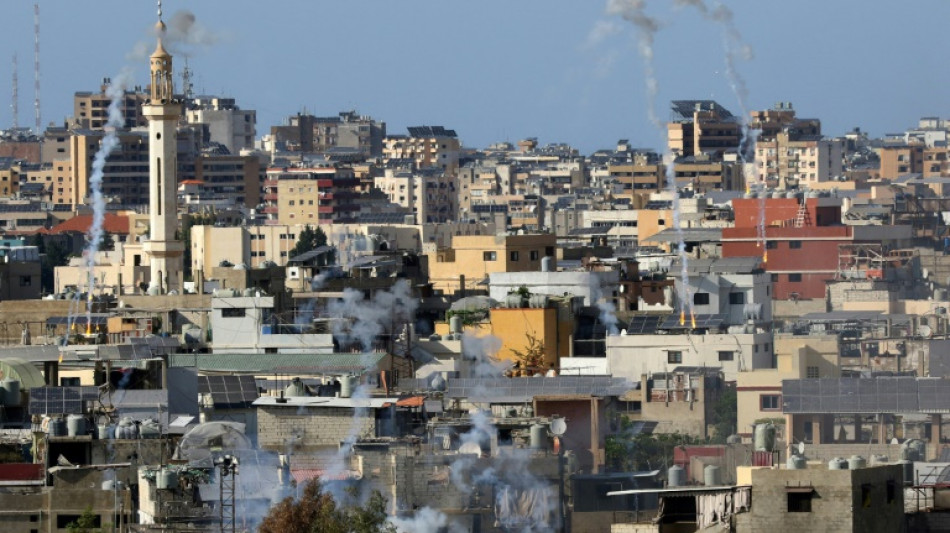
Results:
x,y
736,289
247,324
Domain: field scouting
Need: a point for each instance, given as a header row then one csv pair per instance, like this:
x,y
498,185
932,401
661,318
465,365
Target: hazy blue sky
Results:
x,y
501,69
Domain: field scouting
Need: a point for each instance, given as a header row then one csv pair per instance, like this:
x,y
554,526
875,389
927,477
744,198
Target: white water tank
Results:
x,y
856,461
546,264
75,425
838,463
712,476
676,476
347,384
795,462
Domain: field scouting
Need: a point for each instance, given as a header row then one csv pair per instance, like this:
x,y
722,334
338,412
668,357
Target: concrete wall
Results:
x,y
631,356
311,428
837,505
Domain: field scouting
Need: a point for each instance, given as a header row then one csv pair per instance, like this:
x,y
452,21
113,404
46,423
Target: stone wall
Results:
x,y
311,427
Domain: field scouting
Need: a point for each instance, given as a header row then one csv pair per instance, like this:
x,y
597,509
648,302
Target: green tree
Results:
x,y
88,522
309,239
725,415
53,254
317,512
531,358
626,452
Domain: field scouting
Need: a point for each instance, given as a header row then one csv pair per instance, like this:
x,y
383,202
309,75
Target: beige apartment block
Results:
x,y
475,257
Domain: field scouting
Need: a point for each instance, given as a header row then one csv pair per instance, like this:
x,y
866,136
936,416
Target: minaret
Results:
x,y
162,111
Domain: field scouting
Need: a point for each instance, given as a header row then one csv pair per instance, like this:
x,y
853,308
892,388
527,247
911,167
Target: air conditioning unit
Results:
x,y
293,272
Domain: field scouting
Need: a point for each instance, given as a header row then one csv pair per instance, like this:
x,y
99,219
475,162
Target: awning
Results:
x,y
412,401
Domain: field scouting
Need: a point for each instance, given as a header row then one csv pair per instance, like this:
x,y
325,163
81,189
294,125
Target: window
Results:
x,y
26,281
771,245
726,355
794,278
674,357
514,256
63,520
770,402
701,298
811,372
736,298
866,495
534,255
489,256
549,251
891,489
799,499
795,245
232,312
774,277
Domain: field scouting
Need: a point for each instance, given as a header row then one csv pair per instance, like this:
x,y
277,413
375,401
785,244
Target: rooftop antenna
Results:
x,y
36,66
186,84
15,104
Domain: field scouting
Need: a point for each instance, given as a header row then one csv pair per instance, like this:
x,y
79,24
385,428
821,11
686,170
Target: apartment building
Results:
x,y
472,258
91,109
323,194
701,127
223,122
428,146
429,193
791,161
349,131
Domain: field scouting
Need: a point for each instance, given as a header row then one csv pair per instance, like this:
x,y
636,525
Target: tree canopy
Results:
x,y
317,512
309,239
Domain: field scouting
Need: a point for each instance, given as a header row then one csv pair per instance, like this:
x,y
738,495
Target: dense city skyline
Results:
x,y
498,72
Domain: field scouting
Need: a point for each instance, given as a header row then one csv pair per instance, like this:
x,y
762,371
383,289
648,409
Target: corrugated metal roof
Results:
x,y
515,390
318,363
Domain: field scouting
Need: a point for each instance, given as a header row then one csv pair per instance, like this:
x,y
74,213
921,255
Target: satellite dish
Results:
x,y
558,426
895,441
801,448
470,448
924,331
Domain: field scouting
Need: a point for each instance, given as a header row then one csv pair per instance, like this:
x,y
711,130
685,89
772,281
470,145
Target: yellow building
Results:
x,y
759,392
474,257
428,146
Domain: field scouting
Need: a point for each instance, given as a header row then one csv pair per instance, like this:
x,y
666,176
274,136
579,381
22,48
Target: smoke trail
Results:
x,y
686,302
735,48
426,520
608,313
633,12
116,92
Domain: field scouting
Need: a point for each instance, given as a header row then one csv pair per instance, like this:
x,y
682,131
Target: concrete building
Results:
x,y
428,194
799,161
349,132
162,111
817,498
91,109
589,286
634,355
737,290
248,324
470,259
223,122
701,127
311,195
781,117
679,401
428,146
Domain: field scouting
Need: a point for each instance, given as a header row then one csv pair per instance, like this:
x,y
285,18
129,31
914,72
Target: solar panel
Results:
x,y
702,322
60,400
644,325
229,390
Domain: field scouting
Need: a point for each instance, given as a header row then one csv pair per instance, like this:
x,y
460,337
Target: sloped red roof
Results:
x,y
115,224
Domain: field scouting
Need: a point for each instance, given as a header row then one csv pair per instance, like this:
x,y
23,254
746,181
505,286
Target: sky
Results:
x,y
496,70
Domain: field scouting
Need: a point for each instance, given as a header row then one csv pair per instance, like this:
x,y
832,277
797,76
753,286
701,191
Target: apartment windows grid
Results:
x,y
674,357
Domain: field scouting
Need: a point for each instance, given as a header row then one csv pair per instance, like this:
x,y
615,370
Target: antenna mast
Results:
x,y
36,66
15,104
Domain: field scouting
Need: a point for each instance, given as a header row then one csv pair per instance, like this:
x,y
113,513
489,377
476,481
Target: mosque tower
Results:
x,y
162,111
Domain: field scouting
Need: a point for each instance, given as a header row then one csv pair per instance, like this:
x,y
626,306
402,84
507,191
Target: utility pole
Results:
x,y
15,93
36,67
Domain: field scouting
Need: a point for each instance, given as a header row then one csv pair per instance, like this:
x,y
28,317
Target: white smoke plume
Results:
x,y
184,36
115,121
479,352
608,313
633,12
426,520
361,320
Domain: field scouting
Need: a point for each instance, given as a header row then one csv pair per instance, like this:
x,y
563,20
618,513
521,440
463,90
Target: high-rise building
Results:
x,y
702,127
162,111
223,122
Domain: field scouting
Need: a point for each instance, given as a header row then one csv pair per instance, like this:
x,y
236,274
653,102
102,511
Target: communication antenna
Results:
x,y
15,104
36,66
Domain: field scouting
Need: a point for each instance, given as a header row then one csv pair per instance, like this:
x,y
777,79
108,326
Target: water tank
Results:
x,y
166,479
795,462
538,436
878,459
105,431
764,438
733,439
437,383
676,476
856,461
347,384
838,463
75,425
538,301
546,264
108,485
150,429
11,392
527,412
712,476
296,389
455,324
57,427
